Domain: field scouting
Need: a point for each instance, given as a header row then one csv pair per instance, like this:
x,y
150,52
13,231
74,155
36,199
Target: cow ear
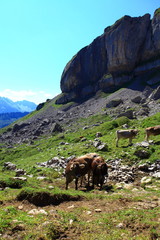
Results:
x,y
82,166
72,166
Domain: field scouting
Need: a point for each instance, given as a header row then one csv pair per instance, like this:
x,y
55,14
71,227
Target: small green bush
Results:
x,y
122,120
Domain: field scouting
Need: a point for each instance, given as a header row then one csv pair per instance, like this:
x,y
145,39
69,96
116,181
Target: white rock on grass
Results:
x,y
156,175
36,212
146,180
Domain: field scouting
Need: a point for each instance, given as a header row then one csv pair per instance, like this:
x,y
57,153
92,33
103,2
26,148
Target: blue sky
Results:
x,y
39,37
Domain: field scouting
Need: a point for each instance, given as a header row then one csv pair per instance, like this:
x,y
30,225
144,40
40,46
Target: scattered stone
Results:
x,y
72,206
41,178
56,163
142,153
146,180
98,210
36,212
125,126
153,187
96,143
128,186
142,144
88,212
20,178
156,175
46,223
156,94
114,103
120,225
128,114
70,221
56,128
86,127
143,167
50,187
9,166
120,173
135,190
102,147
98,134
20,172
136,99
20,207
62,143
83,139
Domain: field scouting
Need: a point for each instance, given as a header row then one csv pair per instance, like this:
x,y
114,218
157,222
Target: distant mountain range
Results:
x,y
8,118
11,111
7,106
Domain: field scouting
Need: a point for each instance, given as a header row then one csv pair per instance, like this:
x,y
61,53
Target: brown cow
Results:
x,y
152,131
78,167
130,133
100,171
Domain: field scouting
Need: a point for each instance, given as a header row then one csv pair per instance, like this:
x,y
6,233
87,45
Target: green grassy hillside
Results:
x,y
137,222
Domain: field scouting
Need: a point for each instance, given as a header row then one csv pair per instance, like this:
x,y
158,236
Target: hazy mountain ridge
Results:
x,y
7,106
7,118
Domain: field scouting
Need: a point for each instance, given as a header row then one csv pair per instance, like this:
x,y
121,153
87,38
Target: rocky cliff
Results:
x,y
127,49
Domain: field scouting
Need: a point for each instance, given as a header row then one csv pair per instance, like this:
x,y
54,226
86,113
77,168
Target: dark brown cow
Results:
x,y
152,131
78,167
100,171
130,133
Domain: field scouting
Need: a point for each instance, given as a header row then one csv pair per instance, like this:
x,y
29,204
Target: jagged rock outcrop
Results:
x,y
126,49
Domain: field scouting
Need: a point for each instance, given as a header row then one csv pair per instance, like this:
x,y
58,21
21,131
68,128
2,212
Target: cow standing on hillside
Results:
x,y
130,133
152,131
99,171
79,167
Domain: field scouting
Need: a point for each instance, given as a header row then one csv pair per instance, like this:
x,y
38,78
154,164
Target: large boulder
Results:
x,y
126,49
88,65
124,41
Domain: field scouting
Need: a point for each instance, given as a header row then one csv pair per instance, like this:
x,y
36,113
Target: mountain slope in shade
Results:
x,y
7,105
8,118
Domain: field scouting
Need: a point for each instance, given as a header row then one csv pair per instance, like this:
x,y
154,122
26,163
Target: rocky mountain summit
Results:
x,y
127,50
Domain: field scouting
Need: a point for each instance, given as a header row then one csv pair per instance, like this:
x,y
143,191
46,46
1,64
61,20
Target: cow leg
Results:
x,y
66,185
147,136
130,141
101,184
89,174
76,184
82,180
93,180
117,142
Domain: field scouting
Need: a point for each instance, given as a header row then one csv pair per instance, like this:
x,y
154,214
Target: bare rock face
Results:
x,y
124,41
126,49
88,65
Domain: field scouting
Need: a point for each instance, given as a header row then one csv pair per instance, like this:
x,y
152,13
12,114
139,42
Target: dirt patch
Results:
x,y
45,198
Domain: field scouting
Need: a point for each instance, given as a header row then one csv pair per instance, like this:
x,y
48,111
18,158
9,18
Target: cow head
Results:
x,y
77,168
135,131
103,169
